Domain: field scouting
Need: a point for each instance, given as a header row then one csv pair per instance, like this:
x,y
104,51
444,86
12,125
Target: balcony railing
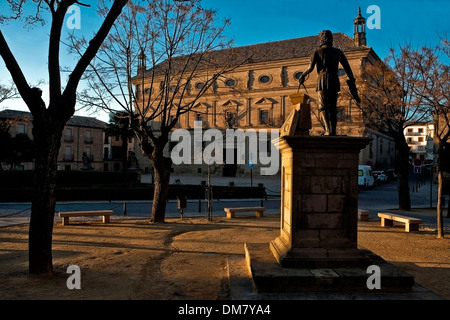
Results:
x,y
415,134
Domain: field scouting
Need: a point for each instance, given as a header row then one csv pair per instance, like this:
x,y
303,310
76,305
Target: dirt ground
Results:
x,y
184,259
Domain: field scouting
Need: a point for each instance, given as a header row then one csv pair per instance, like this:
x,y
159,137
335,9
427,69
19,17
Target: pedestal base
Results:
x,y
317,257
270,277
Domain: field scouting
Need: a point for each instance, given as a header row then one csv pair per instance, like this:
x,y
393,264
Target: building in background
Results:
x,y
255,96
419,138
84,144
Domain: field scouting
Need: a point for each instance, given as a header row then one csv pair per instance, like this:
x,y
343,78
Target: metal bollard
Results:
x,y
181,204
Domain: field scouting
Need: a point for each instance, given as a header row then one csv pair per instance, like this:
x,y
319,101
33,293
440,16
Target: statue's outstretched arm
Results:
x,y
344,62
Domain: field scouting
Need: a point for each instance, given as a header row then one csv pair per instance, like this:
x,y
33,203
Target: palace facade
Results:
x,y
255,96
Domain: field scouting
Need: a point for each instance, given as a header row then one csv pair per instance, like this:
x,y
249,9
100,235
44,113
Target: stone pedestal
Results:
x,y
319,201
317,247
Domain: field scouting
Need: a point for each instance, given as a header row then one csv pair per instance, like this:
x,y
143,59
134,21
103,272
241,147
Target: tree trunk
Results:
x,y
161,169
440,221
47,137
402,168
443,165
124,152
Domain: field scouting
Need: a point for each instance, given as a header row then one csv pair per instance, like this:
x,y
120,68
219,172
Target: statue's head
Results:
x,y
326,37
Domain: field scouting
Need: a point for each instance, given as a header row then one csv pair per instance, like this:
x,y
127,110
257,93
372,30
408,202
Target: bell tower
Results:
x,y
359,31
141,63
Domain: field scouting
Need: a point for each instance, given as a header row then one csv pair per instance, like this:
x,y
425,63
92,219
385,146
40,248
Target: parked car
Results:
x,y
379,177
365,177
390,173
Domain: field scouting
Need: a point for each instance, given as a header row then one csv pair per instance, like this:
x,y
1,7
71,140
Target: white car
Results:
x,y
365,177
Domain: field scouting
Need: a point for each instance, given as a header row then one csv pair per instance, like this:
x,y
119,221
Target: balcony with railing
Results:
x,y
415,134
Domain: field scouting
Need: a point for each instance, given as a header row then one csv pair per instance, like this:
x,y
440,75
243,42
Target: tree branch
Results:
x,y
54,47
93,47
31,96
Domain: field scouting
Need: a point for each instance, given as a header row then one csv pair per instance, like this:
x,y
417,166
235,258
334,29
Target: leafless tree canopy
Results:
x,y
8,92
433,85
389,99
173,40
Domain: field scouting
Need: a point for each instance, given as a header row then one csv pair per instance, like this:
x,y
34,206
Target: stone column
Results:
x,y
319,202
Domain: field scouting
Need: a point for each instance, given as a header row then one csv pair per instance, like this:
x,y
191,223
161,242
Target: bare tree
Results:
x,y
49,120
176,39
389,104
8,92
433,88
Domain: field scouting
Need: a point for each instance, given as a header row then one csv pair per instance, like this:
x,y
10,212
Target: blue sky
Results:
x,y
401,22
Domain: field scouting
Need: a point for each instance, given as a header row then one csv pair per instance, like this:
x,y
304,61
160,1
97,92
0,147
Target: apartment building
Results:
x,y
420,141
84,143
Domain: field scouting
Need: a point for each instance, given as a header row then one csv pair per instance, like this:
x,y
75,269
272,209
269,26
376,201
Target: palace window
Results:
x,y
265,79
230,82
199,117
297,75
263,117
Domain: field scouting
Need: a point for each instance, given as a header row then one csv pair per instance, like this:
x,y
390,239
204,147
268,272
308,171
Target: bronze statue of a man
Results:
x,y
326,59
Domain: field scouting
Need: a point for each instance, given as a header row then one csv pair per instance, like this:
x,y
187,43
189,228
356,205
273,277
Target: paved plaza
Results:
x,y
380,198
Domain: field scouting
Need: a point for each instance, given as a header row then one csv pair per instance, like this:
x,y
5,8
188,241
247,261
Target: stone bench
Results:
x,y
231,211
363,215
411,224
68,214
